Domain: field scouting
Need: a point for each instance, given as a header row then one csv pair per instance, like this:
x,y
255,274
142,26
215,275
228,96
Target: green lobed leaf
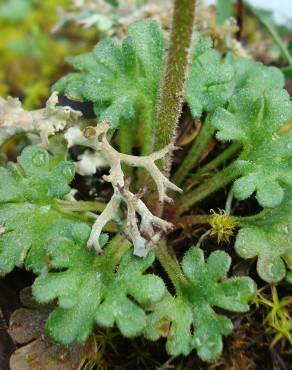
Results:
x,y
249,73
265,163
207,286
213,79
90,289
177,312
210,82
29,217
120,81
36,177
268,236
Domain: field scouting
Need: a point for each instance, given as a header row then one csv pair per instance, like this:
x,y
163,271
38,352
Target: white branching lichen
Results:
x,y
46,121
144,231
140,225
88,162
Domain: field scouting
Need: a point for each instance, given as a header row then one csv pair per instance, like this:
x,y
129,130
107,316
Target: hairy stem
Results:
x,y
215,183
196,151
171,267
172,88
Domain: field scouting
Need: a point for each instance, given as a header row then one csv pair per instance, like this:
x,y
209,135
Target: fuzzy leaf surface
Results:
x,y
249,73
120,81
89,290
210,82
29,218
213,79
268,236
207,287
265,163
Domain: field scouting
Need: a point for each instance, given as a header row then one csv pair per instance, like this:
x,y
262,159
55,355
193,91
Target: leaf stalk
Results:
x,y
215,183
195,152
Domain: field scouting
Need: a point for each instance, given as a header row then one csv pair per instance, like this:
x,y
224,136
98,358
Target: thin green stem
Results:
x,y
227,154
191,220
215,183
146,120
243,221
228,204
80,217
82,211
172,88
171,267
195,152
126,137
287,71
115,250
127,134
273,32
81,206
